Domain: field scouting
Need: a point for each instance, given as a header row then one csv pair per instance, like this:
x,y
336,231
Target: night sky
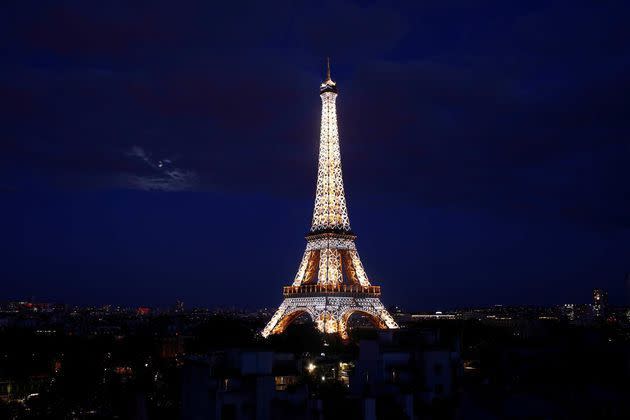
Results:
x,y
168,151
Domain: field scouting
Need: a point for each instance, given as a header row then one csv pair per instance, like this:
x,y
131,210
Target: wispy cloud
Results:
x,y
164,175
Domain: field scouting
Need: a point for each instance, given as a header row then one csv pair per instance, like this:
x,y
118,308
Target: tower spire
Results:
x,y
330,212
328,69
328,85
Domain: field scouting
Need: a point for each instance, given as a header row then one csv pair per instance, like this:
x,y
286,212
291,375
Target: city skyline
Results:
x,y
144,155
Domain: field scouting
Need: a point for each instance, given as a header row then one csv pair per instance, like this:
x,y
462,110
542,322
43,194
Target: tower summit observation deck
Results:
x,y
331,283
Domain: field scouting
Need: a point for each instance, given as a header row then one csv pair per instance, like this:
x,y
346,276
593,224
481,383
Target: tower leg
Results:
x,y
273,322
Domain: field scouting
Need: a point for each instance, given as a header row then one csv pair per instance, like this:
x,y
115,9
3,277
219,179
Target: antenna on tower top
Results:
x,y
328,69
328,85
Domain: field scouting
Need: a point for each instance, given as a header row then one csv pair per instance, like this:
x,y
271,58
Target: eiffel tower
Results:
x,y
331,283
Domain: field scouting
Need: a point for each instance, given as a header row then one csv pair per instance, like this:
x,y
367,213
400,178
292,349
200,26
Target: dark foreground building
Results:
x,y
497,362
399,372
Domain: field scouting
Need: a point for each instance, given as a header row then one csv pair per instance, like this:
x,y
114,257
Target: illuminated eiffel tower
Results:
x,y
330,284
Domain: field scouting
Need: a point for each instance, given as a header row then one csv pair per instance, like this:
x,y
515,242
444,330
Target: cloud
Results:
x,y
163,175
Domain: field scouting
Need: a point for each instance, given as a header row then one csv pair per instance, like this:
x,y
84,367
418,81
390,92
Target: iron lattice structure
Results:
x,y
331,283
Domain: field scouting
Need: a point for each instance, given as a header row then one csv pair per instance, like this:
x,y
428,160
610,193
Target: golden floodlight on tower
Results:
x,y
331,283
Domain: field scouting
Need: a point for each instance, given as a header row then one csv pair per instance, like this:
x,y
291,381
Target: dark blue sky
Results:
x,y
162,151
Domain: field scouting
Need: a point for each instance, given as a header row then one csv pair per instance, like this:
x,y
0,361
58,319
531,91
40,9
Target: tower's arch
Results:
x,y
291,316
374,318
